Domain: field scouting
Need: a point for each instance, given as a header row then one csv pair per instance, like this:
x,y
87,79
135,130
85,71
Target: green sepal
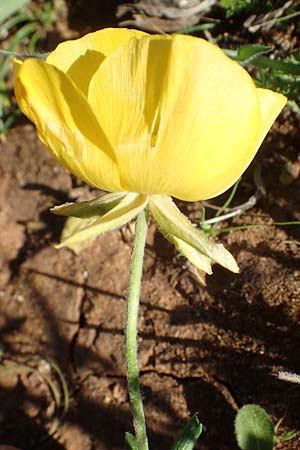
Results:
x,y
199,260
72,226
254,429
92,208
77,230
189,435
174,224
130,442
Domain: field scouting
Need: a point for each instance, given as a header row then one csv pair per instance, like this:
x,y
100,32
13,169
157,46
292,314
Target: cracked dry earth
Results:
x,y
205,350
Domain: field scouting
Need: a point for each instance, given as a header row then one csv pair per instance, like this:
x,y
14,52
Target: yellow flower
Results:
x,y
146,118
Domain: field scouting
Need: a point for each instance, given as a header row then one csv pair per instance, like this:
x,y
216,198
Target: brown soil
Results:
x,y
203,349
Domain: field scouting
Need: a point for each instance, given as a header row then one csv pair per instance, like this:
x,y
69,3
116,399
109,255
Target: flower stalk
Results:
x,y
131,329
129,114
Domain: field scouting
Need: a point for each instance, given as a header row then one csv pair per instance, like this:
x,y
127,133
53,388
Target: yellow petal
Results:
x,y
66,123
182,117
173,223
80,229
80,58
17,66
271,104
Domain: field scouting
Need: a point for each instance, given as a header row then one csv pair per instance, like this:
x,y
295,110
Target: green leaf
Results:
x,y
254,429
9,7
254,54
189,435
248,53
130,442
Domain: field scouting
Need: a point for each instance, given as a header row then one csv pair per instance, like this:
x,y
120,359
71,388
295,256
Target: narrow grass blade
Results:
x,y
14,21
8,8
216,231
23,32
196,28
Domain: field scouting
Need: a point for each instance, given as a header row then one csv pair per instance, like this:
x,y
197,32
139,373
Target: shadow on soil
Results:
x,y
270,340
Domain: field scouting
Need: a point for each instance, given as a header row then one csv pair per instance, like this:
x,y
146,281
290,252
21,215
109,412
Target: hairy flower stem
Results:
x,y
131,356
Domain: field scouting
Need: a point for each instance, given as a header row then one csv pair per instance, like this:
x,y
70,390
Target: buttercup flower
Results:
x,y
146,118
